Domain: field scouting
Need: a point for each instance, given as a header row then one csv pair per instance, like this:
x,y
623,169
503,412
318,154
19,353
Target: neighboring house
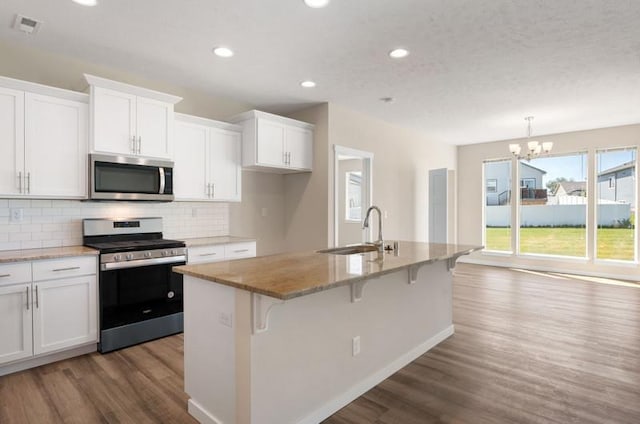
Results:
x,y
618,184
498,181
569,193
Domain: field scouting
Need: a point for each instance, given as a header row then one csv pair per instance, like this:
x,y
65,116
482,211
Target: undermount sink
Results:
x,y
350,250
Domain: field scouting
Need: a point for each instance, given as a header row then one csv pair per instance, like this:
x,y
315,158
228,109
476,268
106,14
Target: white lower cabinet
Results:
x,y
221,252
56,309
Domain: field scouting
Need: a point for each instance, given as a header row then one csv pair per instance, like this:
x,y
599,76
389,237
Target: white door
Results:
x,y
15,323
225,160
154,128
114,121
55,146
190,165
299,145
11,141
64,313
270,142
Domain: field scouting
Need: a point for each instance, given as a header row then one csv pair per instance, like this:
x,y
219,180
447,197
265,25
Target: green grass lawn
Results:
x,y
613,243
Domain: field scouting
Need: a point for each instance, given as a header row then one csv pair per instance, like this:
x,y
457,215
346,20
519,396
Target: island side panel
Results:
x,y
209,350
302,368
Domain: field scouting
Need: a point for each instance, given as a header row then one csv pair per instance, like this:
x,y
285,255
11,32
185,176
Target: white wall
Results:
x,y
401,163
471,202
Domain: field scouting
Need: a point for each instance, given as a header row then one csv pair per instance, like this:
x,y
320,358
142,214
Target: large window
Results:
x,y
353,196
553,210
616,204
497,195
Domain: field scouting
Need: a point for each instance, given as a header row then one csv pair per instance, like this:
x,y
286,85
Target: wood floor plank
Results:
x,y
528,348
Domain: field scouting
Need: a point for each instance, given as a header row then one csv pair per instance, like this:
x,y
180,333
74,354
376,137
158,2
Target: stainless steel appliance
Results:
x,y
140,296
130,178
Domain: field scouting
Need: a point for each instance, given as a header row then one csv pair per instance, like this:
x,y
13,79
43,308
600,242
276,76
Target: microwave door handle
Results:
x,y
162,181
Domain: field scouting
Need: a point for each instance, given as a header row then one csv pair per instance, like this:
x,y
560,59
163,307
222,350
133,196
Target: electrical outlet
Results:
x,y
386,214
17,215
355,346
226,319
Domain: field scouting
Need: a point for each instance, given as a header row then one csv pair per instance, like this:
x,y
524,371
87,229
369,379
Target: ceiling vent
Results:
x,y
26,24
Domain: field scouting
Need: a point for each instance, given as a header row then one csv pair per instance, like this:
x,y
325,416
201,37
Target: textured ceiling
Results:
x,y
476,68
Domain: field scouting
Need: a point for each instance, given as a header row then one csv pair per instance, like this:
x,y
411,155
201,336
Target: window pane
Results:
x,y
616,205
553,205
497,176
353,196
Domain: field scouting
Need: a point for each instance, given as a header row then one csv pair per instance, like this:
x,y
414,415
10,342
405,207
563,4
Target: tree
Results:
x,y
552,185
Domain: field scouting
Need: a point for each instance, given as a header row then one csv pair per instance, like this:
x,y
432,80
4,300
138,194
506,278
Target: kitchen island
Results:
x,y
292,338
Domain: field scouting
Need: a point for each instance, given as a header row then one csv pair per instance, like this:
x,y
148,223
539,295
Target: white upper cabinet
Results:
x,y
207,163
275,143
43,138
131,120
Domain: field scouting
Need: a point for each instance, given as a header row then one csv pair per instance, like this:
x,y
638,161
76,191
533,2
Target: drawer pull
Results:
x,y
71,268
241,251
208,254
27,298
37,299
5,275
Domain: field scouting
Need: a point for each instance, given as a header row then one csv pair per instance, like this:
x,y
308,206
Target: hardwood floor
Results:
x,y
528,348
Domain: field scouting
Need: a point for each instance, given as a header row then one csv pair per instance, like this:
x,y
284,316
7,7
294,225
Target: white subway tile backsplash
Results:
x,y
54,223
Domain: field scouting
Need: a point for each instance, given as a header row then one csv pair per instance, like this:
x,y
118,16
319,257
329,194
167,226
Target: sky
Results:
x,y
575,166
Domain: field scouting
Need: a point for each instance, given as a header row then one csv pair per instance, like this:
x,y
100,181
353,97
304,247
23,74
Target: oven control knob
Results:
x,y
174,252
171,294
147,254
164,253
129,256
117,258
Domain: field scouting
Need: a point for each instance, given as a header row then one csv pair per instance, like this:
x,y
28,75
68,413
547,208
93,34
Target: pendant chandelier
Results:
x,y
534,148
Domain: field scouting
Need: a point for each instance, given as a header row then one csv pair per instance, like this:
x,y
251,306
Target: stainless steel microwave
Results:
x,y
130,178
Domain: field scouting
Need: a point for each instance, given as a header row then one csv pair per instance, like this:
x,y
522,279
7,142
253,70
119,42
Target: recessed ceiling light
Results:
x,y
308,84
223,51
86,2
316,4
399,53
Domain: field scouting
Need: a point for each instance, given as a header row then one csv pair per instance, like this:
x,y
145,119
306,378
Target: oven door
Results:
x,y
140,293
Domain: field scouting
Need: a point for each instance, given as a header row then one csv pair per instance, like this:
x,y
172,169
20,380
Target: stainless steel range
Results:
x,y
140,297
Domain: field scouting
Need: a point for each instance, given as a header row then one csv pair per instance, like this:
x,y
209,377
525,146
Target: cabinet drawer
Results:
x,y
63,268
15,273
202,254
240,250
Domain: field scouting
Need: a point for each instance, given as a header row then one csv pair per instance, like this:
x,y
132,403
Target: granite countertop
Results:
x,y
7,256
290,275
207,241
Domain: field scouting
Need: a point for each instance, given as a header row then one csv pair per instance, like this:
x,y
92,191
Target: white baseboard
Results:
x,y
47,359
373,380
199,413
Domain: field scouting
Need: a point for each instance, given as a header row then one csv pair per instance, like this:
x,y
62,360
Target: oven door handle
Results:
x,y
162,180
143,262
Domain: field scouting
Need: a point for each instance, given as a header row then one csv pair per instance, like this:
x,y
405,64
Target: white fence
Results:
x,y
556,215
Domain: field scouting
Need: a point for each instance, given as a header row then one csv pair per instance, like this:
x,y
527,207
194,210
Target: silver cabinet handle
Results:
x,y
208,254
28,183
284,160
20,182
27,298
71,268
5,275
139,144
37,298
213,189
132,148
241,251
208,189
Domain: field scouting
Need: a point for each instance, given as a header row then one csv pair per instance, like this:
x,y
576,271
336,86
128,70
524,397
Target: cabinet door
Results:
x,y
190,177
11,141
225,164
155,128
64,313
114,121
15,323
270,140
55,146
299,145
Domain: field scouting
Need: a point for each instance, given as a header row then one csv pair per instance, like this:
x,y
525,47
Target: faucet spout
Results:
x,y
380,242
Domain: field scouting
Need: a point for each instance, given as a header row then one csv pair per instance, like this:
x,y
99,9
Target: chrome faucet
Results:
x,y
379,243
